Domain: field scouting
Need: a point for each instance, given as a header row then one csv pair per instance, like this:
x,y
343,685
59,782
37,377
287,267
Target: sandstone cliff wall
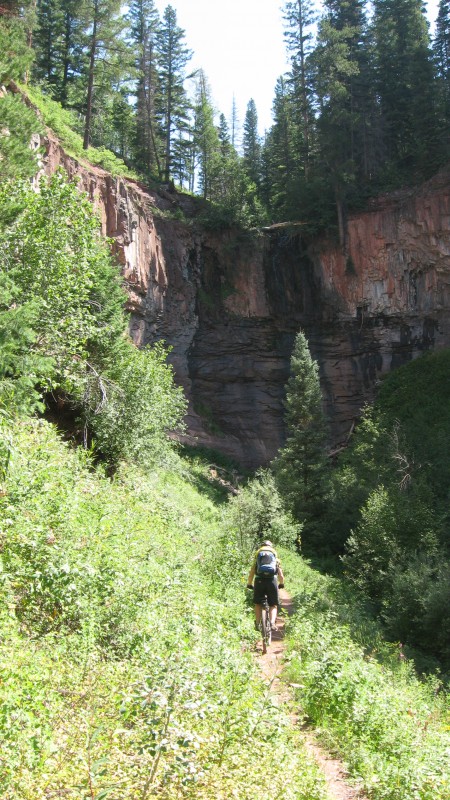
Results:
x,y
230,304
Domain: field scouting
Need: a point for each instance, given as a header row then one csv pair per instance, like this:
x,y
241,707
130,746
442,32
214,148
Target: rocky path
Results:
x,y
271,665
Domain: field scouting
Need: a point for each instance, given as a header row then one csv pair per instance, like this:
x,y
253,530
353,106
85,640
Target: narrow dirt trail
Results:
x,y
271,665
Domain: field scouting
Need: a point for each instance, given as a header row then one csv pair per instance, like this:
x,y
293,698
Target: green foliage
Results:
x,y
19,123
258,512
363,696
55,254
66,126
131,412
393,525
67,294
389,502
15,54
123,671
301,466
417,396
22,368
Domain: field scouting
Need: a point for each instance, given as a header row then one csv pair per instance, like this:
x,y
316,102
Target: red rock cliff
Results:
x,y
230,304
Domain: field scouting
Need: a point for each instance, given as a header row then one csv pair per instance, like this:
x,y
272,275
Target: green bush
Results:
x,y
66,295
131,413
22,367
258,512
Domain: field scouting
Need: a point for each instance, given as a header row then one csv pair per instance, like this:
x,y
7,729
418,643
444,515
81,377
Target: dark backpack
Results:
x,y
266,563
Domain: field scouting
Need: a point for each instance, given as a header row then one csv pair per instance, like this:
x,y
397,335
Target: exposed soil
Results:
x,y
271,665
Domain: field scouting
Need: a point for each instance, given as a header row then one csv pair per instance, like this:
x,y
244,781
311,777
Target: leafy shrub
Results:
x,y
67,295
22,368
259,512
416,606
129,417
394,524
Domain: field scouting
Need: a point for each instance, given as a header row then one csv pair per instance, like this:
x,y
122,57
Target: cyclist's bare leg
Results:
x,y
258,613
273,611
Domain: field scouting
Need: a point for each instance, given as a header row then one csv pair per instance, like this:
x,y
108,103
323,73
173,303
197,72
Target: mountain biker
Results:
x,y
266,570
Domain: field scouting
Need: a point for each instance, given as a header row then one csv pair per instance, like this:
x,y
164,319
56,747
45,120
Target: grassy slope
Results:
x,y
63,123
125,658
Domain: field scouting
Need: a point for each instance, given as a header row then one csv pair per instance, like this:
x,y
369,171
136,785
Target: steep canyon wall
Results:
x,y
230,303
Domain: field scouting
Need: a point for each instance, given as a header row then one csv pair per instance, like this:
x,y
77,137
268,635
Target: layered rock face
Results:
x,y
230,304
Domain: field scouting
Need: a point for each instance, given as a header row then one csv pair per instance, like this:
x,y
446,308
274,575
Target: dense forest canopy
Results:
x,y
363,108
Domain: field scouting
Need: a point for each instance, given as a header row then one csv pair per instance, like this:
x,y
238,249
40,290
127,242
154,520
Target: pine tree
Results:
x,y
441,49
206,139
234,124
301,465
59,43
224,135
173,56
107,57
406,89
18,122
279,155
339,64
16,54
251,144
299,17
46,41
144,21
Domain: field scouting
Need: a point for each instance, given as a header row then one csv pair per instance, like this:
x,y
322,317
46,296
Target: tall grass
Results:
x,y
391,727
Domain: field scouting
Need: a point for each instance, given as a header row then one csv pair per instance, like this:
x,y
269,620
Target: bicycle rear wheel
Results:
x,y
266,630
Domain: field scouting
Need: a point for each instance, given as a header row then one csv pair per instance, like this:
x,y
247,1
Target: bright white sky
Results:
x,y
239,44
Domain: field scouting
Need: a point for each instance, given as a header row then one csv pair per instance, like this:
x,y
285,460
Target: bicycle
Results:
x,y
265,626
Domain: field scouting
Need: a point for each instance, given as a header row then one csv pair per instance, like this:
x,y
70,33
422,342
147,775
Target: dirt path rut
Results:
x,y
271,665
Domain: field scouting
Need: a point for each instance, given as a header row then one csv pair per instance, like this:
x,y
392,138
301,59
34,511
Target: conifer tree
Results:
x,y
299,18
106,61
206,139
301,465
406,89
339,65
173,56
18,122
46,40
59,42
251,144
279,154
442,59
224,135
234,124
144,26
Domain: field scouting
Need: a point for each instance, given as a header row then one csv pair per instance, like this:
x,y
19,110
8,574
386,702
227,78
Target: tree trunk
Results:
x,y
169,123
